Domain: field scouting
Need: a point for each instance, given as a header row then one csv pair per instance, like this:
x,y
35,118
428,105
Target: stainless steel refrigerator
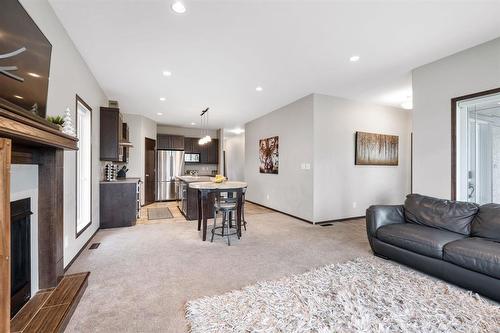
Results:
x,y
169,165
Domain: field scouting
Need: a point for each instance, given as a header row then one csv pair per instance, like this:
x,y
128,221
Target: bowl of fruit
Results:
x,y
218,179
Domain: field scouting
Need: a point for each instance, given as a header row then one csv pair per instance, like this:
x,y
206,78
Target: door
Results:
x,y
478,150
149,171
5,149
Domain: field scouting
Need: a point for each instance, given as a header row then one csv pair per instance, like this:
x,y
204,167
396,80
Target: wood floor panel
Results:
x,y
23,317
48,319
66,290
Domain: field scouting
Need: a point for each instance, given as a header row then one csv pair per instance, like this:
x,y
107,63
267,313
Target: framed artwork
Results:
x,y
268,155
24,60
376,149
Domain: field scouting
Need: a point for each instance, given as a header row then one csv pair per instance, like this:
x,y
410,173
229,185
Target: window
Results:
x,y
83,166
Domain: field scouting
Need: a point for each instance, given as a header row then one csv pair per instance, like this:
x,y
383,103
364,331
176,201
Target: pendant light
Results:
x,y
205,138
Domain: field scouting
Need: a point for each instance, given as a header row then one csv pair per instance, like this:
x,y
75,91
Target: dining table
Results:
x,y
207,190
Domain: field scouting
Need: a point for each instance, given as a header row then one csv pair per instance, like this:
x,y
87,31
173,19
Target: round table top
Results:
x,y
229,185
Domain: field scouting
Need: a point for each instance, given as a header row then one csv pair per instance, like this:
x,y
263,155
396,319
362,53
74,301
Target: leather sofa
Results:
x,y
456,241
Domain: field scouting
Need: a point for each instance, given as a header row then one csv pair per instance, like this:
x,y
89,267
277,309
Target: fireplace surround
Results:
x,y
27,139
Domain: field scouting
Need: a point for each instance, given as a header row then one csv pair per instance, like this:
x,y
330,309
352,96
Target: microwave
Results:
x,y
192,157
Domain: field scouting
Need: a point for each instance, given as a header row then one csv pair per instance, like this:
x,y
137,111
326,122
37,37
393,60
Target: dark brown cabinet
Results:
x,y
170,142
118,204
113,132
209,152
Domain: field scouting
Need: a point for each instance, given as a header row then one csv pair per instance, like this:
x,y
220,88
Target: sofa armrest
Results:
x,y
378,216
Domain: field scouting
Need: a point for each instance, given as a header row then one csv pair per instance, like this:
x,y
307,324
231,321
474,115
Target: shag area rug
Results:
x,y
363,295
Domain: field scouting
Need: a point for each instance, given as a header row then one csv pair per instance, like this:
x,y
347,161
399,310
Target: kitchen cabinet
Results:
x,y
113,133
209,152
170,142
119,203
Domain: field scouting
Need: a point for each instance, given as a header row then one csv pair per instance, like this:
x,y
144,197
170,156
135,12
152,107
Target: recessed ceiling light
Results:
x,y
34,74
192,124
178,7
238,131
407,105
259,88
160,114
167,73
162,99
354,58
18,97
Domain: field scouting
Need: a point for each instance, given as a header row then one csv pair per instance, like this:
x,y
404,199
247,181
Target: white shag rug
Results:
x,y
363,295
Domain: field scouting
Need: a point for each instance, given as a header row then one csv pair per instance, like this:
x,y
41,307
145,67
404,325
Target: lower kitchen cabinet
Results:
x,y
118,203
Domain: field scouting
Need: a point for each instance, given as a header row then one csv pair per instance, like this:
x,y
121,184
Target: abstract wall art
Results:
x,y
268,155
376,149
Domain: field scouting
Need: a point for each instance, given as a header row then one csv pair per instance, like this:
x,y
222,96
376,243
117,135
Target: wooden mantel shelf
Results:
x,y
20,125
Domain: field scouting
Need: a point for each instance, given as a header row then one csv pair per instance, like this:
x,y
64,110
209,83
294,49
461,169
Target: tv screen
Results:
x,y
24,59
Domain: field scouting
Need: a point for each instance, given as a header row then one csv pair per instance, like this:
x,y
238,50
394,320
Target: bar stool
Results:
x,y
235,200
226,209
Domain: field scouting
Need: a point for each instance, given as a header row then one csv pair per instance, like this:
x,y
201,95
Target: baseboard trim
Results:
x,y
304,220
81,250
279,211
342,219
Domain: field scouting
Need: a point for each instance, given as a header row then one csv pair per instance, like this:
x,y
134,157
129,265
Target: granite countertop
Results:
x,y
193,179
122,181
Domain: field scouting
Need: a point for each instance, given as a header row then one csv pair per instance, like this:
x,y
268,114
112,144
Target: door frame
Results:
x,y
146,140
454,102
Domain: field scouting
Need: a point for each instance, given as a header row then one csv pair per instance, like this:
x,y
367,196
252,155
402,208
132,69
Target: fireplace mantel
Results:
x,y
23,127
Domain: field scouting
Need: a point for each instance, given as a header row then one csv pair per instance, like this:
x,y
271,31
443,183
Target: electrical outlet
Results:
x,y
267,196
354,204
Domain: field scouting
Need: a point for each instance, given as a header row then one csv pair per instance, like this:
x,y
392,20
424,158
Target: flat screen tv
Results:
x,y
24,60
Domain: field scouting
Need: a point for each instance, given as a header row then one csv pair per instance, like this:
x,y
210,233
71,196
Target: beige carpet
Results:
x,y
142,276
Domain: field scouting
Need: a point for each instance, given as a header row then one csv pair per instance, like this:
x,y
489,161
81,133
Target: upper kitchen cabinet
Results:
x,y
114,136
170,142
209,152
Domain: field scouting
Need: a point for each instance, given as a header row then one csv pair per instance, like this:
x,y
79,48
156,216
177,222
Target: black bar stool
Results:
x,y
226,208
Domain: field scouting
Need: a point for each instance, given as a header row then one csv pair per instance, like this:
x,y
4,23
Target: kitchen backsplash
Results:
x,y
202,169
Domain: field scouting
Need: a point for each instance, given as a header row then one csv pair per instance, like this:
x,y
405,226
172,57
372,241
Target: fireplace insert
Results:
x,y
20,250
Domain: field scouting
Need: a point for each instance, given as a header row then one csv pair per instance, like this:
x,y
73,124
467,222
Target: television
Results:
x,y
24,60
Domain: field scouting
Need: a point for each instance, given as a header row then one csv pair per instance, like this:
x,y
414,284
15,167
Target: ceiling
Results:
x,y
220,51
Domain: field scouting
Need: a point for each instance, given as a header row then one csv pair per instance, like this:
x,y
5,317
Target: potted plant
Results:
x,y
58,120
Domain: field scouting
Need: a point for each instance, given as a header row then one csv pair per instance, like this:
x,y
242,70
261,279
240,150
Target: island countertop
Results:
x,y
194,179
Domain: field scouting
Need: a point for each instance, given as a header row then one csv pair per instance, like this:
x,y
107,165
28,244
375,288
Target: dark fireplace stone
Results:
x,y
20,249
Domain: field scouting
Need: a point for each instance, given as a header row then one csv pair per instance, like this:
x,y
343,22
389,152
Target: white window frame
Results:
x,y
83,195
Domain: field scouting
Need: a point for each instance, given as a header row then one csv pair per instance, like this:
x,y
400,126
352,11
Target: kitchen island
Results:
x,y
188,197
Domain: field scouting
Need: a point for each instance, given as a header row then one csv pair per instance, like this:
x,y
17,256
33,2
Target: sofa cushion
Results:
x,y
417,238
486,224
477,254
442,214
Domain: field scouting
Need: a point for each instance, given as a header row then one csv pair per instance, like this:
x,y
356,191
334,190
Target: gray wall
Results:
x,y
291,190
341,188
140,128
434,85
69,75
234,146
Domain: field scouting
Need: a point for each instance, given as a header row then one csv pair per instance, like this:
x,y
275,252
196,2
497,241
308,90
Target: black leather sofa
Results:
x,y
456,241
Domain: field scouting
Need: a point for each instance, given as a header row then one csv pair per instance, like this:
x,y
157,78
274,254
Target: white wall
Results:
x,y
434,85
190,132
69,75
140,127
234,146
341,188
291,190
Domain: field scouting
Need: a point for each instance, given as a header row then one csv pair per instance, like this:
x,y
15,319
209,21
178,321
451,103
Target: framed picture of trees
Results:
x,y
376,149
268,155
